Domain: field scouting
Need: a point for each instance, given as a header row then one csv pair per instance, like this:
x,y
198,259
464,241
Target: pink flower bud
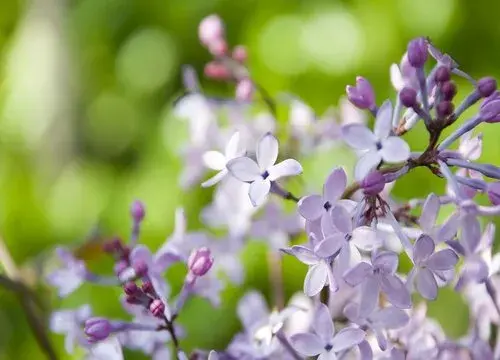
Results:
x,y
211,30
218,48
140,268
130,288
138,211
217,71
240,54
97,329
157,308
200,261
362,95
244,90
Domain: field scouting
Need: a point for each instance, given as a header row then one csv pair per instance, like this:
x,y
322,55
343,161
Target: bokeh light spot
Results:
x,y
147,61
427,17
279,45
334,41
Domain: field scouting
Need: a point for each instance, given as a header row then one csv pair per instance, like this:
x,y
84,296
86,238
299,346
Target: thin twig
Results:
x,y
276,278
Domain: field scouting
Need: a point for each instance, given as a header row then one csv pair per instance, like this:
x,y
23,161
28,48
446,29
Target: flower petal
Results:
x,y
214,160
303,254
215,179
258,191
306,344
394,150
396,291
442,260
367,163
471,233
267,151
330,245
231,151
334,185
251,309
355,275
448,230
426,284
347,338
243,168
315,279
423,248
387,261
429,213
365,238
390,318
369,296
311,207
383,123
358,136
288,167
322,323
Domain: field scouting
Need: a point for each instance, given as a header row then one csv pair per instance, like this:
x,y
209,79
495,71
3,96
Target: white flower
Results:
x,y
216,160
260,174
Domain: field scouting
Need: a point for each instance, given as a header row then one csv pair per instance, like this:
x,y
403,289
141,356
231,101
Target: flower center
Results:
x,y
378,144
328,347
265,175
327,206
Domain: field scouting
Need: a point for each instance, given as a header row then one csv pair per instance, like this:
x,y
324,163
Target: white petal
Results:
x,y
267,151
366,163
358,136
231,150
383,123
429,213
365,238
215,179
288,167
214,160
395,150
306,344
258,191
244,169
396,77
315,279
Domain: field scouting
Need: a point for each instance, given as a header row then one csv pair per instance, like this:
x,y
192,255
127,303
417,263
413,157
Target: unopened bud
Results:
x,y
417,52
362,95
245,90
97,329
486,86
240,54
200,261
216,70
444,109
157,308
443,74
448,90
408,97
138,211
130,288
373,183
210,30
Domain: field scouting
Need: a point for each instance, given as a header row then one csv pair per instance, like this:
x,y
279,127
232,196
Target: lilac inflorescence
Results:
x,y
356,301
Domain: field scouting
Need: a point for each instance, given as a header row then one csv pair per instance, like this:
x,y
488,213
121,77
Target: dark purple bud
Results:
x,y
140,268
157,308
417,52
147,287
444,109
486,86
130,288
138,211
200,261
489,110
373,183
112,246
408,97
134,300
361,95
494,192
442,74
97,329
448,90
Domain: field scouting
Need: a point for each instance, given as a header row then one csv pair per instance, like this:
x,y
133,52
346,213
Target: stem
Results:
x,y
276,278
278,190
268,100
466,127
169,326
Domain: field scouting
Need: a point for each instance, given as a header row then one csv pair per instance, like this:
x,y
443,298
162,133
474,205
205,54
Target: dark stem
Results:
x,y
278,190
169,326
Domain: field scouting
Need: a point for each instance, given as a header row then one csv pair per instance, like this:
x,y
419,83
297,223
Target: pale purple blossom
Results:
x,y
70,324
70,276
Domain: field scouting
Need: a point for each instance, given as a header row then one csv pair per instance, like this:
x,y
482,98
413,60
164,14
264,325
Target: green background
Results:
x,y
86,88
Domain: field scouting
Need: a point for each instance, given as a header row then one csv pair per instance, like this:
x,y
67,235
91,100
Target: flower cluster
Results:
x,y
356,302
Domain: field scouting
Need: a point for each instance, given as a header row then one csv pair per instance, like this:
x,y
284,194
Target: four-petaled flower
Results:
x,y
428,265
324,342
377,145
260,174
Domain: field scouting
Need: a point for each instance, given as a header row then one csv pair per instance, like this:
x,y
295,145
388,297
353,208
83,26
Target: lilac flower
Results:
x,y
109,349
427,221
324,342
361,95
69,323
68,278
403,75
380,276
216,160
261,173
378,145
379,321
320,270
428,265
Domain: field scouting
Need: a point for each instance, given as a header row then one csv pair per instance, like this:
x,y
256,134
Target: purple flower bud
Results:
x,y
120,267
130,288
134,300
417,52
200,261
138,211
448,90
97,329
157,308
112,246
494,192
486,86
489,110
408,97
140,268
442,74
361,95
245,90
373,183
444,109
147,287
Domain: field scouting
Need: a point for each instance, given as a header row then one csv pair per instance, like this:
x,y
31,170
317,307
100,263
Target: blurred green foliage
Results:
x,y
86,88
